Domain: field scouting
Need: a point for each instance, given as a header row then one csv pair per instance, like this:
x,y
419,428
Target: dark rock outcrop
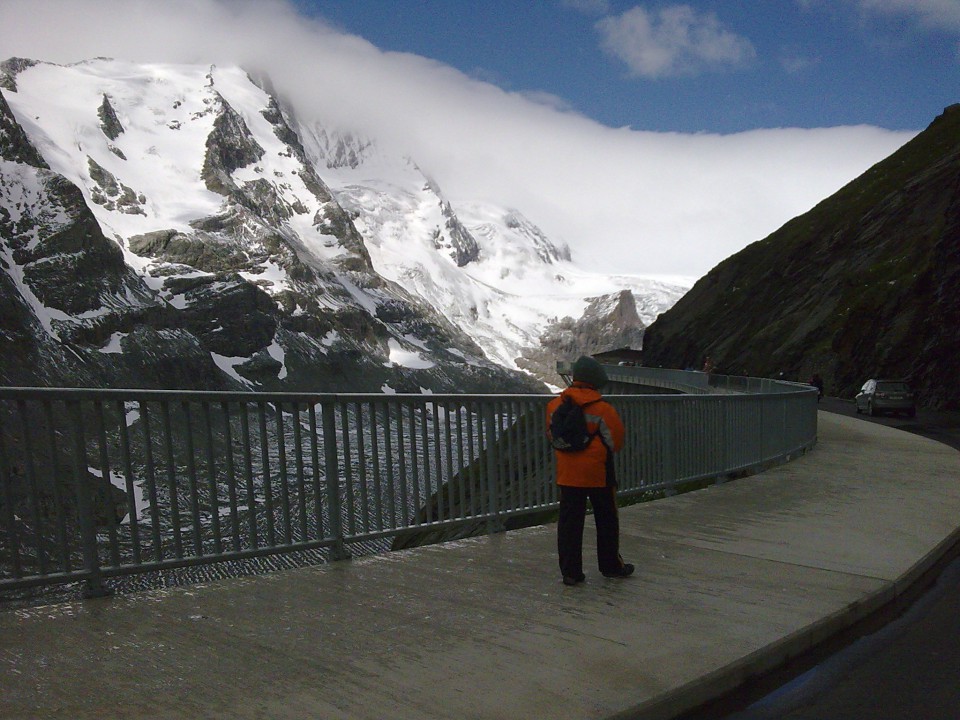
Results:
x,y
109,122
608,322
14,144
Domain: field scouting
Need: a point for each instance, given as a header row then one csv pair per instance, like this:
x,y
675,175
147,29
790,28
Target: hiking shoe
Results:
x,y
625,570
574,579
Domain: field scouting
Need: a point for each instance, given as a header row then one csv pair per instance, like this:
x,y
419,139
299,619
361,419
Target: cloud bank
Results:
x,y
625,201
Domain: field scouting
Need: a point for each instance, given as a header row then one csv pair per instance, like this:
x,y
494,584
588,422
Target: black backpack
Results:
x,y
568,427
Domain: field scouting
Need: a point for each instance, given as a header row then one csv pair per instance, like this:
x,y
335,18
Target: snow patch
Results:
x,y
277,353
406,358
330,338
272,277
113,344
228,365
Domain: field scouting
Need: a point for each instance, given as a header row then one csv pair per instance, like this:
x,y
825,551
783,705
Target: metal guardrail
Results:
x,y
690,381
96,484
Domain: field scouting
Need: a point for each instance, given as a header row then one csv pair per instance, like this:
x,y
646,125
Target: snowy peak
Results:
x,y
153,211
546,251
10,68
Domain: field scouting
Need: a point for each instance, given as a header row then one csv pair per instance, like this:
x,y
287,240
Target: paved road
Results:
x,y
910,669
731,580
941,426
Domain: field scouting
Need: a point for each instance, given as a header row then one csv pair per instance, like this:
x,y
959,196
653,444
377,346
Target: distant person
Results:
x,y
708,365
817,382
585,471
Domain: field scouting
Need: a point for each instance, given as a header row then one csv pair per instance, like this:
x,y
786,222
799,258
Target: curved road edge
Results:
x,y
887,665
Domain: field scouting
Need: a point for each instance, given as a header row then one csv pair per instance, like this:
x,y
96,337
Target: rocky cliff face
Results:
x,y
608,323
864,285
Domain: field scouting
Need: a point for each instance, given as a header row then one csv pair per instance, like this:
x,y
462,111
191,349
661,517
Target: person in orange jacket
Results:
x,y
588,474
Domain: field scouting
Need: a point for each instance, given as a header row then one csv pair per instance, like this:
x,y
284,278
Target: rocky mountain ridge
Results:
x,y
863,285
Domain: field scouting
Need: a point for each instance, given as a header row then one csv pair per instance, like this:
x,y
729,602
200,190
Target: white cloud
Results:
x,y
675,40
625,201
548,99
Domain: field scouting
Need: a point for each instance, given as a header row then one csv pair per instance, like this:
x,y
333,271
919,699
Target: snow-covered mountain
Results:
x,y
179,226
487,268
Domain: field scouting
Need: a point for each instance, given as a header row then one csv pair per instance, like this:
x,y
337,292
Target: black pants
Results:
x,y
573,510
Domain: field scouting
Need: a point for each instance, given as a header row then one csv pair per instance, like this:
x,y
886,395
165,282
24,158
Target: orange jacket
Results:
x,y
587,468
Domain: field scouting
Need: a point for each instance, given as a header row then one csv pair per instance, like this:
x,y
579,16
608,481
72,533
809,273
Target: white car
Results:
x,y
879,396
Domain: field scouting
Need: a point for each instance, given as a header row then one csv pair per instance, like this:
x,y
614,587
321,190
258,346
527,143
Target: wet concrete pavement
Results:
x,y
731,581
903,670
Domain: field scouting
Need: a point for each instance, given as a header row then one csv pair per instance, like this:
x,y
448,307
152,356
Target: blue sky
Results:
x,y
717,66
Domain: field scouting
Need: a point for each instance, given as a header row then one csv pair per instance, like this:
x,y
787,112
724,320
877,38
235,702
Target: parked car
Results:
x,y
879,396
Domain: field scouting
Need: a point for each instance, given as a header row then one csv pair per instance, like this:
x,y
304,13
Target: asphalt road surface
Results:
x,y
908,669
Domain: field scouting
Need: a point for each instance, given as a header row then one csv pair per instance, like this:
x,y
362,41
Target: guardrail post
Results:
x,y
94,586
9,518
334,506
492,466
669,457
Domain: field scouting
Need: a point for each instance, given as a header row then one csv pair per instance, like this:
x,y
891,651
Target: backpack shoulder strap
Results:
x,y
597,433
